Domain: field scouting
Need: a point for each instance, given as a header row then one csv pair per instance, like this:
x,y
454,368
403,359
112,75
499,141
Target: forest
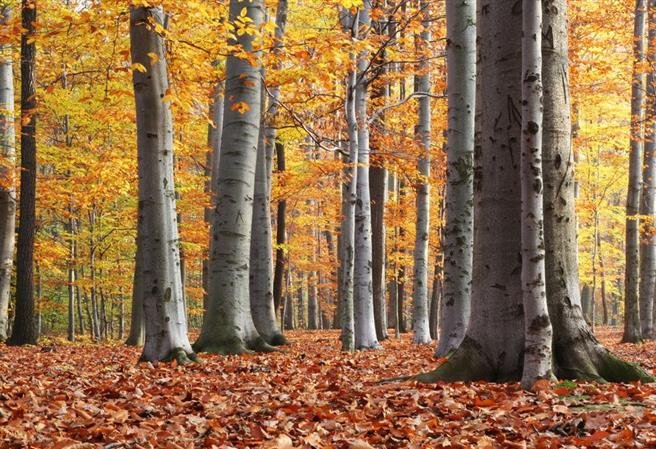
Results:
x,y
345,224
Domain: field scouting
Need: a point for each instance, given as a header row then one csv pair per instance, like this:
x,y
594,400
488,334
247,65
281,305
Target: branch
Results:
x,y
380,111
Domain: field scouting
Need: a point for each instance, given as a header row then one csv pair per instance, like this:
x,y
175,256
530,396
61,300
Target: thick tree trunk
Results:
x,y
648,199
420,310
23,330
8,177
349,198
214,133
261,274
537,326
163,304
228,326
458,227
493,347
364,324
632,328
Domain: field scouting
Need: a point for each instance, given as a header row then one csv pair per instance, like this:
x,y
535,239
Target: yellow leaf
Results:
x,y
153,58
139,67
240,107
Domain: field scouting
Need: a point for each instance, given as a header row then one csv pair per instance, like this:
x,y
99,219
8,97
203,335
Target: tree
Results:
x,y
458,227
365,328
349,198
496,326
648,197
7,177
261,274
420,315
228,326
137,334
537,326
161,281
24,328
632,329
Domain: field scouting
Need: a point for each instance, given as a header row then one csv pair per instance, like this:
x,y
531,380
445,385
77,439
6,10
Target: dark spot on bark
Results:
x,y
539,322
517,8
151,135
533,128
558,160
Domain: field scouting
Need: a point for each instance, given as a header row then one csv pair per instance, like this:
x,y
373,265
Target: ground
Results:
x,y
310,396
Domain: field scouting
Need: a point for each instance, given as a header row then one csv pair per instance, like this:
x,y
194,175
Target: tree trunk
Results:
x,y
8,188
261,274
458,227
137,332
163,304
492,350
24,327
586,299
537,326
228,326
648,199
378,188
364,324
420,311
436,299
214,133
281,237
349,198
632,328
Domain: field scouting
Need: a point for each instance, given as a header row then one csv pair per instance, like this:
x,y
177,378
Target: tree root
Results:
x,y
232,346
278,339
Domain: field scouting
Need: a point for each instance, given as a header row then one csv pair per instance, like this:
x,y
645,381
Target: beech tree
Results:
x,y
496,327
420,315
161,288
7,177
537,326
228,326
365,328
261,258
632,328
457,238
648,194
349,197
24,330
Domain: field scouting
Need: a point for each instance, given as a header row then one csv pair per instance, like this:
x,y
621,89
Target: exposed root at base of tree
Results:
x,y
258,344
588,361
278,340
180,356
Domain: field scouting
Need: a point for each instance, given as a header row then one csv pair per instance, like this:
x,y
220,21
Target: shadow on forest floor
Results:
x,y
309,396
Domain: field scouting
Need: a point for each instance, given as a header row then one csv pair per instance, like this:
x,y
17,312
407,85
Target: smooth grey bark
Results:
x,y
378,189
492,349
313,302
7,177
458,227
632,328
648,198
261,273
537,326
586,303
228,326
349,197
162,289
137,333
24,326
214,133
420,310
364,323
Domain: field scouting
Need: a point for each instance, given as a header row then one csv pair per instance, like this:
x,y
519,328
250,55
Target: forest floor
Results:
x,y
309,396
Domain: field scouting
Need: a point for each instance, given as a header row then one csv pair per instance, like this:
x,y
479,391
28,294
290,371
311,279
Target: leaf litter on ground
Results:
x,y
310,395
